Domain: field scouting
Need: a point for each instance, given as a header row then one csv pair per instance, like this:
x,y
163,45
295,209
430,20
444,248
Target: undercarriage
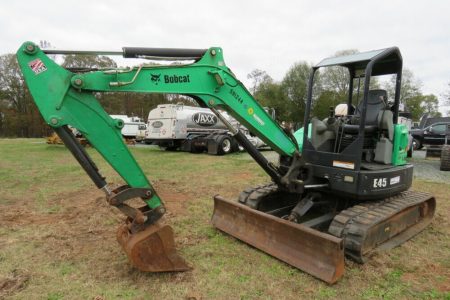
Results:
x,y
316,226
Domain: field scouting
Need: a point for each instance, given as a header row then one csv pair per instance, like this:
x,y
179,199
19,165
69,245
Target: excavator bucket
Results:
x,y
151,250
314,252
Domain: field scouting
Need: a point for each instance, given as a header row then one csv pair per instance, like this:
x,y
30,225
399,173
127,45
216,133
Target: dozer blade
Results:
x,y
314,252
151,250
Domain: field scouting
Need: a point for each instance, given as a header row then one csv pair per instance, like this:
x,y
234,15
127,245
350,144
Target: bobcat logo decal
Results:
x,y
156,78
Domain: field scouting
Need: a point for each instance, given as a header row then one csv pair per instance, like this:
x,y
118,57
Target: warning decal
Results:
x,y
344,164
37,66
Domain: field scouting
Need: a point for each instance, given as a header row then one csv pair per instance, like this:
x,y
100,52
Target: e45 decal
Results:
x,y
379,182
382,182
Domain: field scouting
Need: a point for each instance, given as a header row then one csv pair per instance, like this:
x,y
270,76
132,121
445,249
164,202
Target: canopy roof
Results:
x,y
386,61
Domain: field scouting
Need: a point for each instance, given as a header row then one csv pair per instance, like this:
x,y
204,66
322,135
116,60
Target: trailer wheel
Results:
x,y
445,158
225,145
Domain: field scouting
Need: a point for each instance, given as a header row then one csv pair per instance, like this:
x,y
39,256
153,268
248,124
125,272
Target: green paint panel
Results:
x,y
299,136
400,144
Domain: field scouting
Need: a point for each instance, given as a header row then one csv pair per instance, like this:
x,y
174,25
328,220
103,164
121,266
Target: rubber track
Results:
x,y
445,158
251,196
354,223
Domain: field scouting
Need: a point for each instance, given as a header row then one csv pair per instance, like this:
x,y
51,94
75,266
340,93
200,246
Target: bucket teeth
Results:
x,y
152,249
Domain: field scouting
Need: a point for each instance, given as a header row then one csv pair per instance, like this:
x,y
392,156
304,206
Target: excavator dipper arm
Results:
x,y
67,99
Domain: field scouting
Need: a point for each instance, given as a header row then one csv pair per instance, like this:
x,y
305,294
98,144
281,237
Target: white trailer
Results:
x,y
192,129
132,126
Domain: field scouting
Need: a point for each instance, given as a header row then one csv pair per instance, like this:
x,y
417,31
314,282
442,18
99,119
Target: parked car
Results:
x,y
433,135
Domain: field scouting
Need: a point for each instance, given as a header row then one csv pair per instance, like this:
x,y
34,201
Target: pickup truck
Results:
x,y
433,135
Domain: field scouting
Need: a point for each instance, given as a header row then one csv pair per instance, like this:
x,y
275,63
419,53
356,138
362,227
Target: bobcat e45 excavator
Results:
x,y
340,189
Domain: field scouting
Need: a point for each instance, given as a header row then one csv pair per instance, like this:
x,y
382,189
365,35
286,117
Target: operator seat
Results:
x,y
379,124
376,103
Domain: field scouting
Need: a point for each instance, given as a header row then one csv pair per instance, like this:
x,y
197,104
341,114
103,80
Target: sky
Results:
x,y
267,35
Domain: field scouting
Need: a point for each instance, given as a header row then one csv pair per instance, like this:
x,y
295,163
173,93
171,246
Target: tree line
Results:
x,y
19,117
288,96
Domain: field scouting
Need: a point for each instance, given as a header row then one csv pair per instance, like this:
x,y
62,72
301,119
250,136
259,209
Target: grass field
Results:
x,y
57,236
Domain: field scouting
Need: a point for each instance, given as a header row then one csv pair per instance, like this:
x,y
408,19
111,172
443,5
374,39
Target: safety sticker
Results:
x,y
394,180
343,164
37,66
258,119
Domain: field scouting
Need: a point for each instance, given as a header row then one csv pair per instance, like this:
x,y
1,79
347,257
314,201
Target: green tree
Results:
x,y
430,103
88,61
336,78
334,86
258,77
410,87
295,89
18,113
270,94
131,104
420,104
447,96
324,102
411,95
415,107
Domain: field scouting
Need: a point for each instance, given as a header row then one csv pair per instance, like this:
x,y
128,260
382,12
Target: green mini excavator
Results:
x,y
340,188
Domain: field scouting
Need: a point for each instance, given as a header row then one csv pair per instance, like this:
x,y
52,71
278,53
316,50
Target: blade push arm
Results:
x,y
65,98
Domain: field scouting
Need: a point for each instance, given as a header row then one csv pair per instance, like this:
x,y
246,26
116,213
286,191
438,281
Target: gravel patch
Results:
x,y
428,168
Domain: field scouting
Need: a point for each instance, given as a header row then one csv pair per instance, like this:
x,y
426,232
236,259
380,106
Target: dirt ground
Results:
x,y
57,237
